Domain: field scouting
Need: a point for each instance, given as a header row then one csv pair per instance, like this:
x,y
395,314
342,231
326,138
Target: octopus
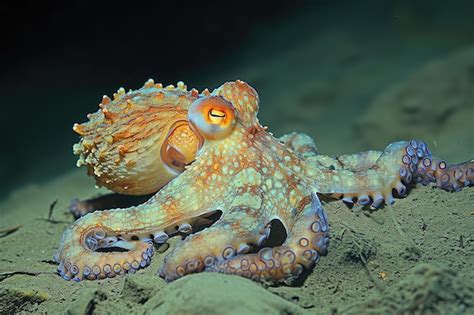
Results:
x,y
200,165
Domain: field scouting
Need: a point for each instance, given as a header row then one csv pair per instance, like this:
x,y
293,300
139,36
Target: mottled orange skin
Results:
x,y
134,127
239,170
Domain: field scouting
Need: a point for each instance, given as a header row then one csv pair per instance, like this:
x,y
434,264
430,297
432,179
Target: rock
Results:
x,y
212,293
436,104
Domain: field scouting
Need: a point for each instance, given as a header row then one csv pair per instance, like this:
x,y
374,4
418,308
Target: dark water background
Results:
x,y
59,58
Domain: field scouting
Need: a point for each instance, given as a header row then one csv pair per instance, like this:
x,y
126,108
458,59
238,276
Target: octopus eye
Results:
x,y
212,117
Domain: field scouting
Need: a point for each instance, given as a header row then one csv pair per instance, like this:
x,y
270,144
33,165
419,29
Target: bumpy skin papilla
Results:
x,y
238,169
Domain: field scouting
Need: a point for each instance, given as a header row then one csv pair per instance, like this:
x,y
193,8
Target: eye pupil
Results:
x,y
216,113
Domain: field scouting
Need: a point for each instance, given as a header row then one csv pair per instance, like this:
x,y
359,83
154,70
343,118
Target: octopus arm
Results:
x,y
370,178
111,242
300,143
79,208
237,231
308,240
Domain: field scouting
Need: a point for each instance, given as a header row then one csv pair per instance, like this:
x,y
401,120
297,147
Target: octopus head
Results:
x,y
139,141
244,99
215,117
